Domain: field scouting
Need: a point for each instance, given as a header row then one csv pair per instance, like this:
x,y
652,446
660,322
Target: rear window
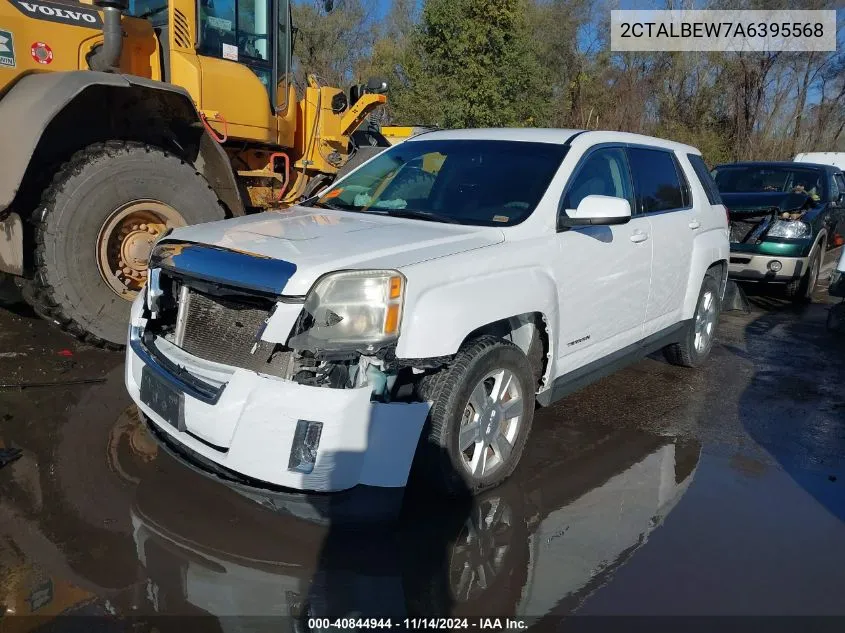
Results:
x,y
656,181
770,179
704,177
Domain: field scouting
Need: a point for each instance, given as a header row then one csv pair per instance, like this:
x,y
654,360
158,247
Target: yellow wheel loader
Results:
x,y
119,121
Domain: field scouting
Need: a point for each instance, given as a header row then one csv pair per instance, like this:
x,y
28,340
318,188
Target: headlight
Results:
x,y
356,307
791,229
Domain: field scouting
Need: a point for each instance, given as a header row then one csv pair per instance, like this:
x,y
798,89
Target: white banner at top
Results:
x,y
699,30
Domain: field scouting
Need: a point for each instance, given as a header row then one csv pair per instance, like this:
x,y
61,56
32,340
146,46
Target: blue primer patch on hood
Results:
x,y
219,265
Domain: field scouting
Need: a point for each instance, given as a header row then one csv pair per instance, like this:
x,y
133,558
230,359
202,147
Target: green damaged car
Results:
x,y
784,217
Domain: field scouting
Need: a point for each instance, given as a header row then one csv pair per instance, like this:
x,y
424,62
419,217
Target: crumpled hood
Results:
x,y
765,201
320,241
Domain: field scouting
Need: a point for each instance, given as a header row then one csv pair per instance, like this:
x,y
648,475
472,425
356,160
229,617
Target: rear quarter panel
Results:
x,y
711,243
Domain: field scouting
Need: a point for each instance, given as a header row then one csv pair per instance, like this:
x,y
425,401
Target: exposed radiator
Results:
x,y
225,331
747,228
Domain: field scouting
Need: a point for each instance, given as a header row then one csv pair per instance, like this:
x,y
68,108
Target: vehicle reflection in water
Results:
x,y
540,543
95,519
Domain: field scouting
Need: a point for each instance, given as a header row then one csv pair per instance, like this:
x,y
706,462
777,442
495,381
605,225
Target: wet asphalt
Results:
x,y
656,491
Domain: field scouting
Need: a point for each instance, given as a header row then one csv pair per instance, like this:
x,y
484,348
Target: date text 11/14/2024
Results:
x,y
448,624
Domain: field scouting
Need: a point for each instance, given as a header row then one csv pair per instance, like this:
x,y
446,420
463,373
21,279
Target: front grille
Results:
x,y
224,330
744,230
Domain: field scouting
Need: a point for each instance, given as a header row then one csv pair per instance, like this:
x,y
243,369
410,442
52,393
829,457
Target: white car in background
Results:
x,y
417,310
837,159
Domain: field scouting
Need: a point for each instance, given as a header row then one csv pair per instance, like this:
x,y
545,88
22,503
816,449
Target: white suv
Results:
x,y
415,311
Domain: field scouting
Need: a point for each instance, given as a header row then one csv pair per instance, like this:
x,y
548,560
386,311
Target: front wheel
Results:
x,y
481,414
96,226
801,290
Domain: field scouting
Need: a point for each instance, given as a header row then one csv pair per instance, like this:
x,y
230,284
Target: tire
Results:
x,y
801,290
439,461
687,353
68,287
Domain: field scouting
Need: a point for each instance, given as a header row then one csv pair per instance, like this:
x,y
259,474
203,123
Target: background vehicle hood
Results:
x,y
318,241
764,201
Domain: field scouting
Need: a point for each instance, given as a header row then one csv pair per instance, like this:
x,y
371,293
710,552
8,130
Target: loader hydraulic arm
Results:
x,y
360,109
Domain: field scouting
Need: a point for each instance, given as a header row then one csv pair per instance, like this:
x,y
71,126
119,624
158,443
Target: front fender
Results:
x,y
708,248
438,320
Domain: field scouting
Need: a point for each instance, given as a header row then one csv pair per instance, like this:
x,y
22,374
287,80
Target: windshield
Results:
x,y
756,179
485,183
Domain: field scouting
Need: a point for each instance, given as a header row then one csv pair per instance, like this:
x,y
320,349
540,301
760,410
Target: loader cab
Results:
x,y
234,59
255,33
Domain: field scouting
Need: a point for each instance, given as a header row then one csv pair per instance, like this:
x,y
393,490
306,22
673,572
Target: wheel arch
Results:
x,y
709,250
435,329
49,116
521,330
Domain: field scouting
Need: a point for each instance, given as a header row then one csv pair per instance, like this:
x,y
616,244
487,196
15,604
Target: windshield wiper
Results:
x,y
422,215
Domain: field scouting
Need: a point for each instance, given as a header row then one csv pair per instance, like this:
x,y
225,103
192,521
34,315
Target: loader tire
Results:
x,y
72,285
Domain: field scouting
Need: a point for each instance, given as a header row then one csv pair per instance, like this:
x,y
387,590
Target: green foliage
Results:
x,y
548,63
330,45
475,66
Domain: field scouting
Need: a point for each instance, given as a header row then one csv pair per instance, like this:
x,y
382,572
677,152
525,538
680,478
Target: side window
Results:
x,y
656,182
686,192
704,177
604,173
840,181
834,188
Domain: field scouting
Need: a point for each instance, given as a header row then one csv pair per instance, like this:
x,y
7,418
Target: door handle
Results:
x,y
694,224
638,237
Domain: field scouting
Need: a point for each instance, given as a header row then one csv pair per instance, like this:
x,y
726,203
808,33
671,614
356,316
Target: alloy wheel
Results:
x,y
705,321
490,423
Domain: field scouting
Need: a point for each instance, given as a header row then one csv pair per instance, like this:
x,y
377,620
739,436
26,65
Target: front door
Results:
x,y
603,272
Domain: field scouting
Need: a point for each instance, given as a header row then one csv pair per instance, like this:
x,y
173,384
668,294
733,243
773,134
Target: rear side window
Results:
x,y
704,177
656,183
840,182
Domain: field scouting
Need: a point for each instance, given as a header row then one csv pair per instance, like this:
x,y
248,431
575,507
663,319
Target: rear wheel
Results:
x,y
699,334
96,226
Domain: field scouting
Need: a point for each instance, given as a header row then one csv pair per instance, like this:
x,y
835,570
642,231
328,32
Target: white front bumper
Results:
x,y
250,429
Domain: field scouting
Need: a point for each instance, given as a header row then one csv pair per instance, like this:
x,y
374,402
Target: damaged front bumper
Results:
x,y
270,430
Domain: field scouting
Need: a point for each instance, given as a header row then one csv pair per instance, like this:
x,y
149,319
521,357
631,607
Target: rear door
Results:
x,y
663,195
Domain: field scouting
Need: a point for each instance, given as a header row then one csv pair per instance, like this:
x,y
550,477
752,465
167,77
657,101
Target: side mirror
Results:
x,y
597,210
